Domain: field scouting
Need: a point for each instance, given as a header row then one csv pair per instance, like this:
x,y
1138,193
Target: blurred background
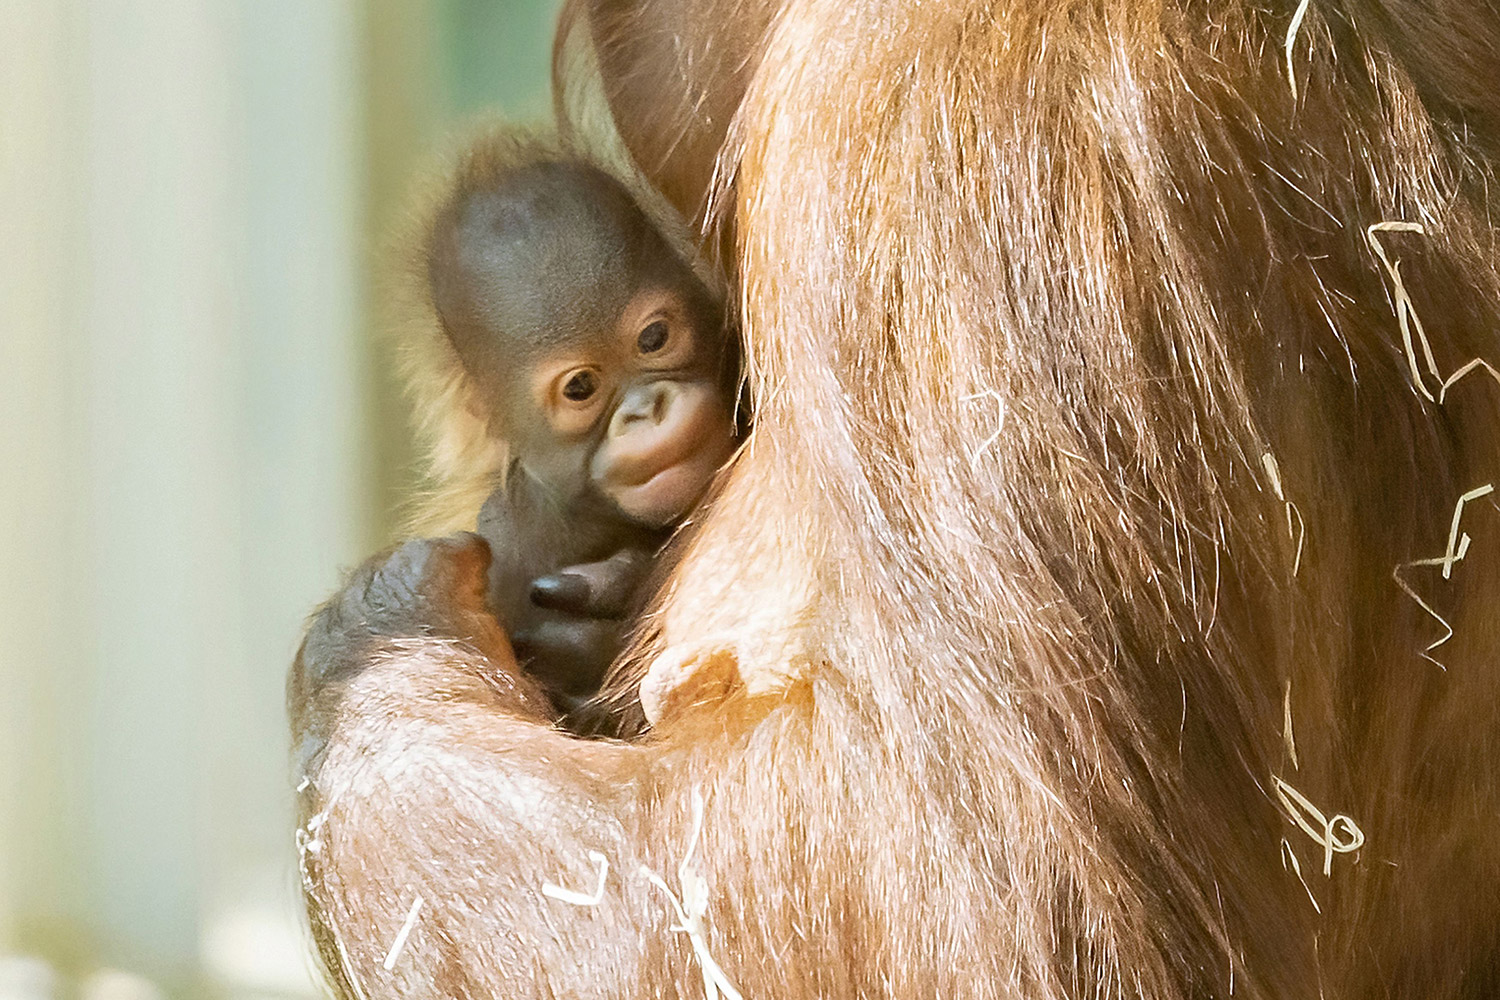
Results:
x,y
198,433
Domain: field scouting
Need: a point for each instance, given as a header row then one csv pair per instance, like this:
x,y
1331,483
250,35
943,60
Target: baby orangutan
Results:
x,y
602,361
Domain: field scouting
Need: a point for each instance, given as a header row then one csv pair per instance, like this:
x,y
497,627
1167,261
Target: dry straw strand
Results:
x,y
1290,863
984,445
690,909
1286,726
1458,546
1458,375
1297,531
1324,830
399,945
1406,588
1291,40
573,896
1406,314
1301,533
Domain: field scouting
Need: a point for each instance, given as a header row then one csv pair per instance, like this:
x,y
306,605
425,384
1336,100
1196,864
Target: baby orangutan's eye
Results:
x,y
580,386
653,338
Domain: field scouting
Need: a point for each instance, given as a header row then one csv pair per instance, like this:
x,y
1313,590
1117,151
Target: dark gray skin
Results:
x,y
565,582
605,364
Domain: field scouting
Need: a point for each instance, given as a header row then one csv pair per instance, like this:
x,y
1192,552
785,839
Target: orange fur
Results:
x,y
1015,706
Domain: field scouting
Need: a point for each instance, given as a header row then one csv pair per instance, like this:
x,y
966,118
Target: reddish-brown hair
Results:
x,y
1094,573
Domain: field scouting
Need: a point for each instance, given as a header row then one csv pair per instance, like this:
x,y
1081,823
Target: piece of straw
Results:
x,y
1463,371
1297,531
1290,863
1000,406
1322,829
1286,725
398,945
1406,314
690,909
573,896
1291,39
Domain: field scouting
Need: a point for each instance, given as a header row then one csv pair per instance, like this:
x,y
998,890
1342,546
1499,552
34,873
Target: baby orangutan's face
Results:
x,y
639,413
599,355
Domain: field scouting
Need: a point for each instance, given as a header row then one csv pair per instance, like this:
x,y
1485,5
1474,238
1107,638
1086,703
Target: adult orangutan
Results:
x,y
1104,601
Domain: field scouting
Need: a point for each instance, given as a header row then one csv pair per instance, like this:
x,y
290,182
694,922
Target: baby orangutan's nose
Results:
x,y
644,403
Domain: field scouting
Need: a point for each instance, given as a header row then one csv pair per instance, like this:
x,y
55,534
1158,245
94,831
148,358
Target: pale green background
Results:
x,y
197,433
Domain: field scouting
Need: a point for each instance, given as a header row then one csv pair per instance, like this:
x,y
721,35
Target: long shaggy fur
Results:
x,y
1054,313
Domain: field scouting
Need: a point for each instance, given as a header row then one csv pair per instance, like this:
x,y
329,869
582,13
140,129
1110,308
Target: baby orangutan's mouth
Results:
x,y
656,473
667,495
